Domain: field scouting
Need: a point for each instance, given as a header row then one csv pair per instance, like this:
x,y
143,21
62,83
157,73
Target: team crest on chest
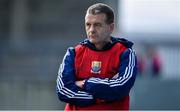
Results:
x,y
96,67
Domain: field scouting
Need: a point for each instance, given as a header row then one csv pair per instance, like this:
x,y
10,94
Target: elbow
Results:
x,y
78,102
127,86
122,91
61,95
63,98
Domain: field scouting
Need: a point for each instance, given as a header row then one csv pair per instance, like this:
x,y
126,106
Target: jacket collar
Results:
x,y
109,45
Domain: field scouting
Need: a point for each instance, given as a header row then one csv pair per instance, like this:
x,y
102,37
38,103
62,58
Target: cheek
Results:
x,y
87,31
104,31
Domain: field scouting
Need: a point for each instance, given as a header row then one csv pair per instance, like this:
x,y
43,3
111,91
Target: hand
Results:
x,y
80,83
116,76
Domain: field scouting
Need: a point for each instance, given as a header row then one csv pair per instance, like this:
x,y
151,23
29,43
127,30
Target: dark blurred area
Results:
x,y
34,35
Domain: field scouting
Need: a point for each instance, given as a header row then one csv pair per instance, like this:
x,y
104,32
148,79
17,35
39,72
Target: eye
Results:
x,y
88,24
98,24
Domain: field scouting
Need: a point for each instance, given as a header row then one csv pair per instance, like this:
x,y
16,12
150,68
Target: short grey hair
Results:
x,y
100,8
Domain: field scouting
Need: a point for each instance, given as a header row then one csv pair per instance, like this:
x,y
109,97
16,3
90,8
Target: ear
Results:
x,y
111,27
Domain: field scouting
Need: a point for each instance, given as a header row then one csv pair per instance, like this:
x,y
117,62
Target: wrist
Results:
x,y
83,82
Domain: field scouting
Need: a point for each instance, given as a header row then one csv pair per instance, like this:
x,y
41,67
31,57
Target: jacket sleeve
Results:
x,y
66,89
119,86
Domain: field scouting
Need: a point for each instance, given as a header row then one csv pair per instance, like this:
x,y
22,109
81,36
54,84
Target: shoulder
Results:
x,y
81,46
70,52
126,43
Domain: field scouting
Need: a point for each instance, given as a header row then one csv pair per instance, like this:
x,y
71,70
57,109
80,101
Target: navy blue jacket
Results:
x,y
107,89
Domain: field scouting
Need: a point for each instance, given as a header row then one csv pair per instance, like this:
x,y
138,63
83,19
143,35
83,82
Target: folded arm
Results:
x,y
119,86
66,88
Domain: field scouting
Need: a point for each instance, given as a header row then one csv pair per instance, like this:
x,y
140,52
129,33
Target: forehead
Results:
x,y
100,18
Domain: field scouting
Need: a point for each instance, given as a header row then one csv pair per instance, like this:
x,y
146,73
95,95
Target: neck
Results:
x,y
100,45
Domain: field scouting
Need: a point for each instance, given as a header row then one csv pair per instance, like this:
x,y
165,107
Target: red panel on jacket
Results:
x,y
102,64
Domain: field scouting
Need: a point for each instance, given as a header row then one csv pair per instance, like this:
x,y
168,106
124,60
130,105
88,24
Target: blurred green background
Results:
x,y
34,36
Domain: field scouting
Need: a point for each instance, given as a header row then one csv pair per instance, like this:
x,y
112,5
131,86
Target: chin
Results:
x,y
92,40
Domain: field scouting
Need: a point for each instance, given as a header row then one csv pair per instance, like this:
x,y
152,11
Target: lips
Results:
x,y
93,36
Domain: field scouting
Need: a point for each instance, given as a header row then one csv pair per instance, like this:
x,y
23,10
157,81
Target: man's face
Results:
x,y
98,31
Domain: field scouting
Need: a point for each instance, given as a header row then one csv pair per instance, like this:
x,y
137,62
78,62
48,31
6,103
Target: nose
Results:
x,y
92,29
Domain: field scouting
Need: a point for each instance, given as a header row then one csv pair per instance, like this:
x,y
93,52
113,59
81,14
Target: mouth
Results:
x,y
92,36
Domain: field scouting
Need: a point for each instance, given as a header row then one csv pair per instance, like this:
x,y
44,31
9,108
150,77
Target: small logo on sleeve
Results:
x,y
96,67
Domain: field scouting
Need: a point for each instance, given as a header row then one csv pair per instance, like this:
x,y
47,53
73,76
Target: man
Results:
x,y
98,73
